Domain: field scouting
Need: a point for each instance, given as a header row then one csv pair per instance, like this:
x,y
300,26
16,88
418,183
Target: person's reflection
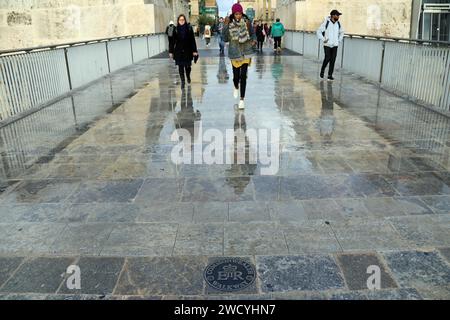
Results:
x,y
186,117
327,119
222,74
277,68
260,65
242,168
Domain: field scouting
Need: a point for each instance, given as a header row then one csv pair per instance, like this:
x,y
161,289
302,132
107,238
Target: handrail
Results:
x,y
365,36
72,44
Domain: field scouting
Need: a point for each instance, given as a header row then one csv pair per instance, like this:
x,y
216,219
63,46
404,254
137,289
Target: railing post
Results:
x,y
67,68
318,51
159,44
343,51
107,56
303,45
148,49
292,40
131,46
382,61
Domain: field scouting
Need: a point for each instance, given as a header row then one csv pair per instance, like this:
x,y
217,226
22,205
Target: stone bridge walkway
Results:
x,y
363,180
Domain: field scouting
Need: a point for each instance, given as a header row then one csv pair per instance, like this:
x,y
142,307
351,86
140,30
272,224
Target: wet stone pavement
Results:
x,y
363,179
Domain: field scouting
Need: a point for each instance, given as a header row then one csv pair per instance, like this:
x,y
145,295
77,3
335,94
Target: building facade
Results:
x,y
31,23
422,19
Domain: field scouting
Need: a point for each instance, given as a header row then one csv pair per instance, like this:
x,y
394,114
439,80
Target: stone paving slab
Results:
x,y
7,266
38,275
98,276
42,191
199,239
423,230
210,212
155,211
254,239
440,204
162,276
29,238
110,191
310,237
82,238
445,252
418,268
362,234
144,239
355,269
288,273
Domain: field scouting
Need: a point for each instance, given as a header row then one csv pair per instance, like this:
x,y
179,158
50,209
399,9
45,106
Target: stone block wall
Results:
x,y
30,23
369,17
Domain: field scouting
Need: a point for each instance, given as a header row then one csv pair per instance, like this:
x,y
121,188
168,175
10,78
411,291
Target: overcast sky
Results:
x,y
224,6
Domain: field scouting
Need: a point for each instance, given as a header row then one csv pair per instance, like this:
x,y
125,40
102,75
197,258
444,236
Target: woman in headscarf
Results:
x,y
239,33
183,49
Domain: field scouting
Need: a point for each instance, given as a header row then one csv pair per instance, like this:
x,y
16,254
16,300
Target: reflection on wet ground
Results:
x,y
360,170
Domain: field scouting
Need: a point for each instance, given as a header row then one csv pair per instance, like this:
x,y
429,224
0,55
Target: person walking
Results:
x,y
266,31
260,35
241,37
170,31
277,33
220,35
331,34
183,49
207,34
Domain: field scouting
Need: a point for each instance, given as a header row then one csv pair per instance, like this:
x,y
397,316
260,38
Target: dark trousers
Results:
x,y
221,45
260,44
276,42
330,57
182,70
240,78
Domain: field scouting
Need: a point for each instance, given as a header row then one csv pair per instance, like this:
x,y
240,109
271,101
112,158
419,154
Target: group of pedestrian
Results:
x,y
242,36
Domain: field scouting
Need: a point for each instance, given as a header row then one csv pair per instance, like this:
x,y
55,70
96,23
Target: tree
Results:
x,y
205,19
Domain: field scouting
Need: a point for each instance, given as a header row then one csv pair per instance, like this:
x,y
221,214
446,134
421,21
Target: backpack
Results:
x,y
170,31
207,32
326,27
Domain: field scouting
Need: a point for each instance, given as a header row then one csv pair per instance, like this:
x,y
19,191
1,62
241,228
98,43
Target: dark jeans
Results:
x,y
240,78
276,42
221,44
330,57
182,69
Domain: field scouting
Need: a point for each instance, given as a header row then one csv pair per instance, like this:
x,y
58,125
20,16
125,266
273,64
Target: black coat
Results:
x,y
259,33
183,49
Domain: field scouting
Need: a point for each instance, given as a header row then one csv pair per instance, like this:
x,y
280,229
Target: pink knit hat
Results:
x,y
237,8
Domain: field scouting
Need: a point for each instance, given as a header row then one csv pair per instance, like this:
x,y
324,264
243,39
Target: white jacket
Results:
x,y
333,33
207,27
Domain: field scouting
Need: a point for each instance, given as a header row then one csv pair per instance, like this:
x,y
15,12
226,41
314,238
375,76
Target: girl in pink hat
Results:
x,y
241,37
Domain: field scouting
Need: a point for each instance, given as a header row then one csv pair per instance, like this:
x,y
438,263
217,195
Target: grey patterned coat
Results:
x,y
238,50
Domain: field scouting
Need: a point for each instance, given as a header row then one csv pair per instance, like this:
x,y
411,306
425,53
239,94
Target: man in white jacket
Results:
x,y
331,34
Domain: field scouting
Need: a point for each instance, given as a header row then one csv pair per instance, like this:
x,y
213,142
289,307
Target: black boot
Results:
x,y
188,74
183,80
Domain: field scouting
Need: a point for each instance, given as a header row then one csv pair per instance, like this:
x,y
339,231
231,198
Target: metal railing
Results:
x,y
32,78
417,69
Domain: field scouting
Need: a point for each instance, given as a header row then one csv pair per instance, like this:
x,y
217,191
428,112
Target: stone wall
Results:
x,y
371,17
29,23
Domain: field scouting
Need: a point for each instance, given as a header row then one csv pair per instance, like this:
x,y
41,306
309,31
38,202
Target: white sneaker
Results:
x,y
236,93
241,105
